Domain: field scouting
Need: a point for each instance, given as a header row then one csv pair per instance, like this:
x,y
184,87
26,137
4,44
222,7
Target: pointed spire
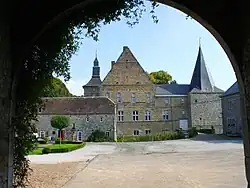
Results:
x,y
201,78
96,62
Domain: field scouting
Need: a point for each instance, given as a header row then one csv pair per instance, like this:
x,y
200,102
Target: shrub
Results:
x,y
62,148
98,136
206,131
153,137
57,141
42,141
192,132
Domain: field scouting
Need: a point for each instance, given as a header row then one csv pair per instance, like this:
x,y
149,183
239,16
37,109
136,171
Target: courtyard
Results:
x,y
204,162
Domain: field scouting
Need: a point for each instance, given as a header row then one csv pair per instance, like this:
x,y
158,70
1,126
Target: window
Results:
x,y
136,132
231,104
53,132
165,115
87,119
133,98
149,98
118,97
40,109
73,126
79,136
167,101
147,115
108,94
107,133
42,134
101,119
182,100
135,116
147,131
195,101
120,115
183,112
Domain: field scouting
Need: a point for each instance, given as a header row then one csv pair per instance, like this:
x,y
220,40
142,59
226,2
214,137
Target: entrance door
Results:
x,y
79,136
183,123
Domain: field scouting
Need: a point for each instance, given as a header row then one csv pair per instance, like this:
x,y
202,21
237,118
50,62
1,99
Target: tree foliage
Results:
x,y
50,54
56,88
160,77
59,122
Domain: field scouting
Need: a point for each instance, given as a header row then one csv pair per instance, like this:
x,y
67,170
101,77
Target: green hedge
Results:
x,y
98,136
206,131
62,148
192,132
153,137
57,141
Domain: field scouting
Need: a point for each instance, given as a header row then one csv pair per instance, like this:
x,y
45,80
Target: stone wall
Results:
x,y
95,122
127,128
231,109
206,111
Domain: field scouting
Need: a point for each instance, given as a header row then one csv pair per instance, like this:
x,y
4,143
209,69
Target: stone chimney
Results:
x,y
125,47
112,64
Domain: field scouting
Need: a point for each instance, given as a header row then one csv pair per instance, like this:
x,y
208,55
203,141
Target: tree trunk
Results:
x,y
6,136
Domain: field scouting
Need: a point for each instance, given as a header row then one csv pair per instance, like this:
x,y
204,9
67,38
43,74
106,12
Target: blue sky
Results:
x,y
171,45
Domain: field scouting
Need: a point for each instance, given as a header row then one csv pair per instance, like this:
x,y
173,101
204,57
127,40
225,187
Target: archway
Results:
x,y
232,51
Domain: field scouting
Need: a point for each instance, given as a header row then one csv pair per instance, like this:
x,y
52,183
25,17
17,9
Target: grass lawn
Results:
x,y
61,147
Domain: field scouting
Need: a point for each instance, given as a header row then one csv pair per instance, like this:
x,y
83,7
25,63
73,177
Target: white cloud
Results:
x,y
75,86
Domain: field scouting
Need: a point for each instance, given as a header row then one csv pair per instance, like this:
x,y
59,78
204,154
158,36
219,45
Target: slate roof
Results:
x,y
95,79
232,90
201,78
77,106
172,89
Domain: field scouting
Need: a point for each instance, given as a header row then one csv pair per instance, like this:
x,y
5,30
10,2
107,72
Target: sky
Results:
x,y
170,45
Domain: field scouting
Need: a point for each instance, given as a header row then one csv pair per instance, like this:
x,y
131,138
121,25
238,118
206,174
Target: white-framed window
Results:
x,y
79,136
118,97
108,94
165,115
87,119
149,98
136,132
120,115
147,115
107,134
231,104
42,134
135,115
147,131
133,98
167,101
101,119
182,100
231,122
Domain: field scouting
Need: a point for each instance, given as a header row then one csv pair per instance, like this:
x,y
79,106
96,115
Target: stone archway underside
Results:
x,y
226,20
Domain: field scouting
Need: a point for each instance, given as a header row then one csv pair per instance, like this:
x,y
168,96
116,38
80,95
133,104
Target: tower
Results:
x,y
92,88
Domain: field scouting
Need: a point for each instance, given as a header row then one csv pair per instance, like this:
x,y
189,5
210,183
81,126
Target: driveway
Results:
x,y
204,162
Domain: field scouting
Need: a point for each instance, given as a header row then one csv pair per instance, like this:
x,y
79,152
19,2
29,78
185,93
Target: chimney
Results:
x,y
112,64
125,47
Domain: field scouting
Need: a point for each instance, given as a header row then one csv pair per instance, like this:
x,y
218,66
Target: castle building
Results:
x,y
135,105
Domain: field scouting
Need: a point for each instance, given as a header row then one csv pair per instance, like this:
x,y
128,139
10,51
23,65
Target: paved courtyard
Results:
x,y
205,162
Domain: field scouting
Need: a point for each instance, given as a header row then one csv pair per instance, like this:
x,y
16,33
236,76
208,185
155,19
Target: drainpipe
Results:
x,y
115,121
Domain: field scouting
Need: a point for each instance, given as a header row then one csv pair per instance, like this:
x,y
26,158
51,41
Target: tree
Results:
x,y
56,88
59,122
31,69
160,77
173,82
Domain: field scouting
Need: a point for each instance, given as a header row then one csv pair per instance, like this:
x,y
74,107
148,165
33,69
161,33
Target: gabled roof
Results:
x,y
93,82
126,56
172,89
77,106
201,78
232,90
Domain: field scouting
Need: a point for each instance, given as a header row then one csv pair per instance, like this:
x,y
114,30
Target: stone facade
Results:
x,y
142,107
231,110
86,115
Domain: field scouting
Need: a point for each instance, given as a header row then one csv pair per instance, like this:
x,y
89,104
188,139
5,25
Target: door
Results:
x,y
79,136
183,123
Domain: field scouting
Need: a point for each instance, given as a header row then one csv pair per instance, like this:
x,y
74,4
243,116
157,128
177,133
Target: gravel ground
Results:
x,y
52,175
204,162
